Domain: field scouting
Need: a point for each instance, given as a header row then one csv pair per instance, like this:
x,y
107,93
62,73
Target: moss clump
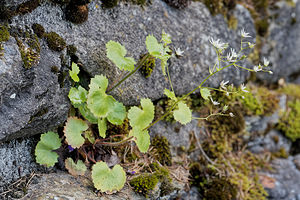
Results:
x,y
27,7
109,3
219,6
71,50
55,42
281,153
292,90
262,26
61,1
38,30
290,121
161,147
29,48
4,34
148,67
77,13
144,184
221,189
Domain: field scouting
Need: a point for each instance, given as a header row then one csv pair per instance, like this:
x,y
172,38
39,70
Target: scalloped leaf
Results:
x,y
153,46
183,114
44,149
74,72
117,114
170,94
142,139
141,118
75,169
116,53
99,103
205,93
99,82
77,96
87,114
102,127
73,130
106,179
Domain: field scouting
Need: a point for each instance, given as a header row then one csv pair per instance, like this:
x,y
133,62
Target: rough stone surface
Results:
x,y
32,100
64,186
16,160
282,44
286,177
273,141
128,24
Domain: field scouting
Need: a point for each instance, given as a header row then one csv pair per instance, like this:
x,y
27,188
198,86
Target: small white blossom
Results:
x,y
223,84
230,58
13,96
233,53
214,102
244,34
270,72
243,88
219,45
178,52
227,93
257,68
266,62
231,114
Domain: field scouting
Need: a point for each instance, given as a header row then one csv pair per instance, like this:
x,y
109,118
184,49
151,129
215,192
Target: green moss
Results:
x,y
290,121
55,42
1,50
144,184
221,189
292,90
4,34
27,7
161,147
109,3
38,30
232,22
148,67
54,69
71,50
77,13
281,153
262,26
29,49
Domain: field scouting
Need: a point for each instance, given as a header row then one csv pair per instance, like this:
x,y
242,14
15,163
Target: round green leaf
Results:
x,y
75,169
74,72
102,127
77,96
153,47
117,114
142,139
44,149
73,130
183,114
87,114
205,93
106,179
99,103
141,118
99,82
116,53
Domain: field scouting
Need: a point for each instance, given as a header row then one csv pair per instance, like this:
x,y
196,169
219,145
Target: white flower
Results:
x,y
257,68
223,84
270,72
233,53
227,93
13,96
219,45
244,34
243,88
229,58
178,52
231,114
266,62
214,102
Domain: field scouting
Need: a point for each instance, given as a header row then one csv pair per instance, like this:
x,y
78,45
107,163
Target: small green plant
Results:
x,y
96,108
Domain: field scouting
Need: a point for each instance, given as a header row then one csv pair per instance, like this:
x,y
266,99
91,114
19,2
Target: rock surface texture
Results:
x,y
283,42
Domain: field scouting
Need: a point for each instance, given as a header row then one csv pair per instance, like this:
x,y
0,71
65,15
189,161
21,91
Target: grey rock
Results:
x,y
32,100
192,194
282,44
16,160
128,24
259,124
286,177
273,141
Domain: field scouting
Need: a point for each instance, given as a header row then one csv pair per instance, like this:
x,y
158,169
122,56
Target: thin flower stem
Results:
x,y
191,92
211,115
140,64
251,70
169,78
115,143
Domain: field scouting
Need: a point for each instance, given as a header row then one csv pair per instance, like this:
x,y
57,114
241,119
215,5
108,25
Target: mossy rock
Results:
x,y
4,34
162,150
77,14
144,184
38,29
290,121
55,42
